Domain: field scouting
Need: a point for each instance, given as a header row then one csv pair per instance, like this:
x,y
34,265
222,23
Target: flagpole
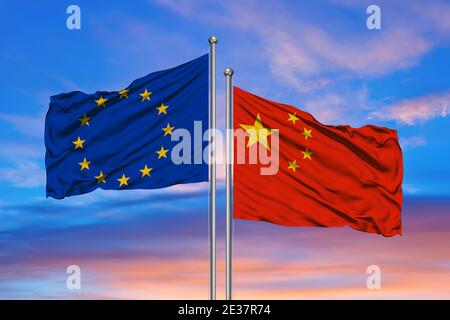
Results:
x,y
229,176
212,167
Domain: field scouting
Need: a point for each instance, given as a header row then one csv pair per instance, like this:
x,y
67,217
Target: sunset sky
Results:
x,y
153,244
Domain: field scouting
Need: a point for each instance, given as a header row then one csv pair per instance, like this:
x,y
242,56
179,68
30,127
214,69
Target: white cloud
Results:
x,y
412,142
409,188
27,174
15,150
28,125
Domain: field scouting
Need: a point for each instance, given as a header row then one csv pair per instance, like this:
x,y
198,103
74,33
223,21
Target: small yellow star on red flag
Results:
x,y
307,133
293,117
293,165
307,154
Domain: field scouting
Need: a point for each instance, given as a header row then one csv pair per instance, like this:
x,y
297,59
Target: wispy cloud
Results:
x,y
26,174
418,109
412,142
166,256
307,55
332,107
15,150
28,125
409,188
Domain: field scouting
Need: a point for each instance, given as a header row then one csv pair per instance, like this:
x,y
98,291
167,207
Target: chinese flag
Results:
x,y
328,176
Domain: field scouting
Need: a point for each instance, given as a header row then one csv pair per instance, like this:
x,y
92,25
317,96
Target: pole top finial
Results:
x,y
228,72
213,40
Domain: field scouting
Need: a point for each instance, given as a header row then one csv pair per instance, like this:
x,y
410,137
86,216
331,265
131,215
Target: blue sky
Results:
x,y
318,56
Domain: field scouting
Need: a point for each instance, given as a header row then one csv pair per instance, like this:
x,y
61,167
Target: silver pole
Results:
x,y
229,176
212,167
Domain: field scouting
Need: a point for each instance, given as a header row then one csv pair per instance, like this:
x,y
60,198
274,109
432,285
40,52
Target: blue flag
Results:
x,y
123,139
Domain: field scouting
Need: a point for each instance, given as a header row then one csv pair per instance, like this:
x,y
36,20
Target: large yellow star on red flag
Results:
x,y
258,133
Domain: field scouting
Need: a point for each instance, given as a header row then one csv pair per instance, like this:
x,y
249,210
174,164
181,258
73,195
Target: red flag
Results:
x,y
328,176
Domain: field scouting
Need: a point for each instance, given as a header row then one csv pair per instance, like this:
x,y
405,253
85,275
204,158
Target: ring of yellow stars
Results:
x,y
293,165
123,93
167,130
85,120
146,171
101,177
307,133
78,143
123,181
162,109
258,133
145,95
162,153
101,102
84,164
293,117
307,154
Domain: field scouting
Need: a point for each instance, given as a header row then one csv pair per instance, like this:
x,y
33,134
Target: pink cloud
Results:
x,y
301,51
417,109
270,262
412,142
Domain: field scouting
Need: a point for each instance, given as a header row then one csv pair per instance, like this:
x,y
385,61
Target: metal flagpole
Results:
x,y
229,179
212,167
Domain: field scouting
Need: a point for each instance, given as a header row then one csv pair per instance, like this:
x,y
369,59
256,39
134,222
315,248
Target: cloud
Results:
x,y
307,55
166,256
333,108
28,125
409,188
411,111
16,150
172,47
27,174
412,142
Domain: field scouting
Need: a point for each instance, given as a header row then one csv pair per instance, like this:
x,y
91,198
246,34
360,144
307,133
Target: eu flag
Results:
x,y
123,139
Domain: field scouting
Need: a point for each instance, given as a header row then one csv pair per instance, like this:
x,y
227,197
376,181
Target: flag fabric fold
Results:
x,y
122,139
329,176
